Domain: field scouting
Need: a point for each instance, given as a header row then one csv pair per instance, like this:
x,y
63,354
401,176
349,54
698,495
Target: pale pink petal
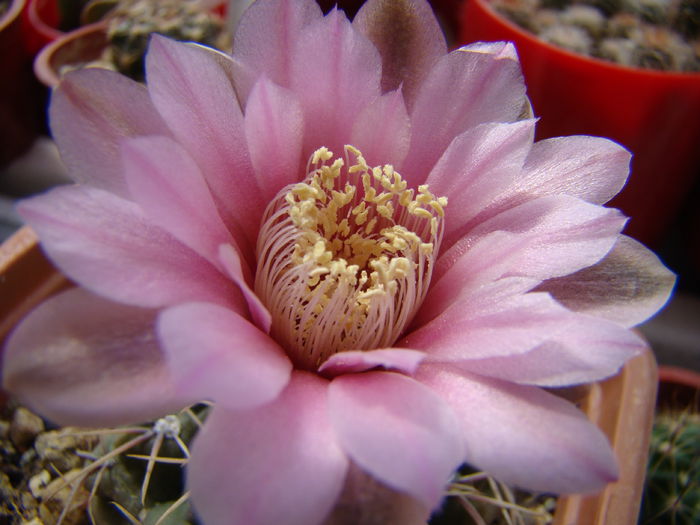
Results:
x,y
497,49
463,90
540,239
335,73
398,359
523,435
274,129
193,91
231,261
108,245
590,350
490,326
564,234
267,35
382,131
90,112
275,464
81,360
367,501
591,168
477,167
214,353
408,38
488,260
397,430
167,184
630,285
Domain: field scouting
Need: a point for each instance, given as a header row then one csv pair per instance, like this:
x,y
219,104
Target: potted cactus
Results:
x,y
119,40
672,493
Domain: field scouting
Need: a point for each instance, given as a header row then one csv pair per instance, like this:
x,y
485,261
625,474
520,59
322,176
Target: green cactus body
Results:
x,y
131,23
672,492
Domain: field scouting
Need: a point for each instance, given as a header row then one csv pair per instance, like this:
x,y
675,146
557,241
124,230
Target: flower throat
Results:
x,y
345,257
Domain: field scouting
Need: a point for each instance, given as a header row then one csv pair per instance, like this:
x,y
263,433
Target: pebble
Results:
x,y
25,427
58,447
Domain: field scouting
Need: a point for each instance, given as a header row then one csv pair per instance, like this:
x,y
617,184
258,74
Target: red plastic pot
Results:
x,y
21,99
656,115
42,19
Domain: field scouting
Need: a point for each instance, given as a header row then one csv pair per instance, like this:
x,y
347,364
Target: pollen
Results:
x,y
345,257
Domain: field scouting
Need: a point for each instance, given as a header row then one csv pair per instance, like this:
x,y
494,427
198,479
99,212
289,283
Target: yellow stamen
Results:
x,y
345,257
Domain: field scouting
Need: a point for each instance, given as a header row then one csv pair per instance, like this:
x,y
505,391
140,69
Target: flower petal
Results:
x,y
630,285
476,168
267,35
408,38
278,463
335,73
523,435
366,501
539,239
167,184
231,261
399,359
274,127
209,123
214,353
90,112
590,350
564,234
81,360
397,430
108,245
490,326
463,89
488,260
591,168
382,131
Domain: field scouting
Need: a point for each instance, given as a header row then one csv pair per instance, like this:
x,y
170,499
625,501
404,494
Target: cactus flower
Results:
x,y
346,238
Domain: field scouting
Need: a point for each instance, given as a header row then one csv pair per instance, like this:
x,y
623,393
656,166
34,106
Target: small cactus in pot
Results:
x,y
131,22
673,481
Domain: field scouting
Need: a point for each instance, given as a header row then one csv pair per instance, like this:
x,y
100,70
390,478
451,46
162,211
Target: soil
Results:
x,y
37,464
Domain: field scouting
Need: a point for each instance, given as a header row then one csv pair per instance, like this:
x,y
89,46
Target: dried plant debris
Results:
x,y
39,471
71,476
650,34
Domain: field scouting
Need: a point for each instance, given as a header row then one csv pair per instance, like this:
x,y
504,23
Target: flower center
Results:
x,y
345,257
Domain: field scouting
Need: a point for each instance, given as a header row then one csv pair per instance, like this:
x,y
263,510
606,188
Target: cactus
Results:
x,y
650,34
672,491
131,22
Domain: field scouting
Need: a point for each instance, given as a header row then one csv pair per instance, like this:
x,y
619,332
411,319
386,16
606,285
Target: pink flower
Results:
x,y
343,319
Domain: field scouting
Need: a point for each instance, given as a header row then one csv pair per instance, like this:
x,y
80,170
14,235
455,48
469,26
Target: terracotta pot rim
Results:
x,y
12,13
42,63
485,5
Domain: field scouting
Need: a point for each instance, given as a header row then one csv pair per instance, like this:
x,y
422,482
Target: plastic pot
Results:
x,y
71,50
21,97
